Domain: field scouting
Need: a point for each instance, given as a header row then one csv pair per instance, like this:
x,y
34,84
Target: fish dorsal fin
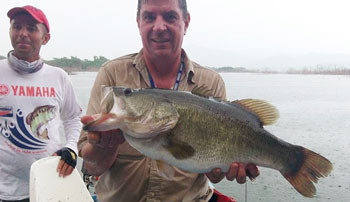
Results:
x,y
266,112
179,149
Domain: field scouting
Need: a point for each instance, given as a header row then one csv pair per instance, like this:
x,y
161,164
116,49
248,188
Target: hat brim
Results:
x,y
16,10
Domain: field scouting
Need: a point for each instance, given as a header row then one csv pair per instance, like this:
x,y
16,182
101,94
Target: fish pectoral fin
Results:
x,y
165,170
180,149
266,112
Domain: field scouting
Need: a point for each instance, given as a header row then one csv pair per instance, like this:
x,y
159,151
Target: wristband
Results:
x,y
68,156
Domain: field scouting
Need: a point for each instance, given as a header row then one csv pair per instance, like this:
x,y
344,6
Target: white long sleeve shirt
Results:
x,y
32,108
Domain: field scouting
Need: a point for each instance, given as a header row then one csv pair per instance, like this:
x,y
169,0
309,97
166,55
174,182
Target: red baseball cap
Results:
x,y
36,13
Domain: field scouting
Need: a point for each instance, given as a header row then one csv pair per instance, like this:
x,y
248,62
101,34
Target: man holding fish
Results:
x,y
125,174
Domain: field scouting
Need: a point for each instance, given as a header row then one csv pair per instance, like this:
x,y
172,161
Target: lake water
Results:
x,y
314,113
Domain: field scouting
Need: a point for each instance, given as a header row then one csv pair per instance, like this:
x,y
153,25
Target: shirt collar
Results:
x,y
188,67
140,65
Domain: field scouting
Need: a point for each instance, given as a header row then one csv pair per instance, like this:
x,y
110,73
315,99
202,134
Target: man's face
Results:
x,y
27,37
162,28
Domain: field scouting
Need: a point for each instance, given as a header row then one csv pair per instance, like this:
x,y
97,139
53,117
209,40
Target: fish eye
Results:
x,y
127,91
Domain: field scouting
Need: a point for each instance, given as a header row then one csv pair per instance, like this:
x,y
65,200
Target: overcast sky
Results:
x,y
250,33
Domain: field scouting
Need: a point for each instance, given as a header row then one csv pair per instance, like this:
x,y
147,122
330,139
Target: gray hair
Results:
x,y
182,3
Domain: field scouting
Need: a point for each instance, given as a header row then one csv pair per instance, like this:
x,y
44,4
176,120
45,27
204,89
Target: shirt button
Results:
x,y
151,194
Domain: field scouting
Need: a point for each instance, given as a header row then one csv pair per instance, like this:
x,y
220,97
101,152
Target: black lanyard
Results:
x,y
178,77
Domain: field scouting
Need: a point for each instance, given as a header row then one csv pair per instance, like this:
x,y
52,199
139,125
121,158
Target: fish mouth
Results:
x,y
106,122
102,123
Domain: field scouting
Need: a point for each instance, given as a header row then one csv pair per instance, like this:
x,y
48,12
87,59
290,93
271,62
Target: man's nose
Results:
x,y
159,24
23,32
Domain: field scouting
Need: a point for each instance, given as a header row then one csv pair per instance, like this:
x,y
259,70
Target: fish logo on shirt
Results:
x,y
17,134
40,117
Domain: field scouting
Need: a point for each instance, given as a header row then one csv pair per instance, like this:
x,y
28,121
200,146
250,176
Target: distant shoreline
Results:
x,y
74,64
299,72
321,71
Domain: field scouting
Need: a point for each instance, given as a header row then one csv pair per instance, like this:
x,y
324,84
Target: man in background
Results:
x,y
34,99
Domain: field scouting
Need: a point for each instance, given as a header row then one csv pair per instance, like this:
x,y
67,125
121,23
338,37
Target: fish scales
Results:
x,y
219,129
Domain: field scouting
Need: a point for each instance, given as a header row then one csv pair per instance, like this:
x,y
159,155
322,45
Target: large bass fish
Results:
x,y
198,134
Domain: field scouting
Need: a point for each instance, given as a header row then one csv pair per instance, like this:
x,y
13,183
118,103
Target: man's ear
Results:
x,y
138,21
47,37
187,22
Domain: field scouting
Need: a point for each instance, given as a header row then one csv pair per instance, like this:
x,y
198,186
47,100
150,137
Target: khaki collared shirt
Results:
x,y
134,177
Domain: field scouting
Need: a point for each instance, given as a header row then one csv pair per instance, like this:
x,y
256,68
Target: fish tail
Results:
x,y
312,167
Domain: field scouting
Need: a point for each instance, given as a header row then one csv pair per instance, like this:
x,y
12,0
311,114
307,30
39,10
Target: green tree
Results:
x,y
76,64
231,69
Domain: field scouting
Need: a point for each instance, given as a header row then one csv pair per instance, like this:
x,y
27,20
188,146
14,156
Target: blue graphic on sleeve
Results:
x,y
6,112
